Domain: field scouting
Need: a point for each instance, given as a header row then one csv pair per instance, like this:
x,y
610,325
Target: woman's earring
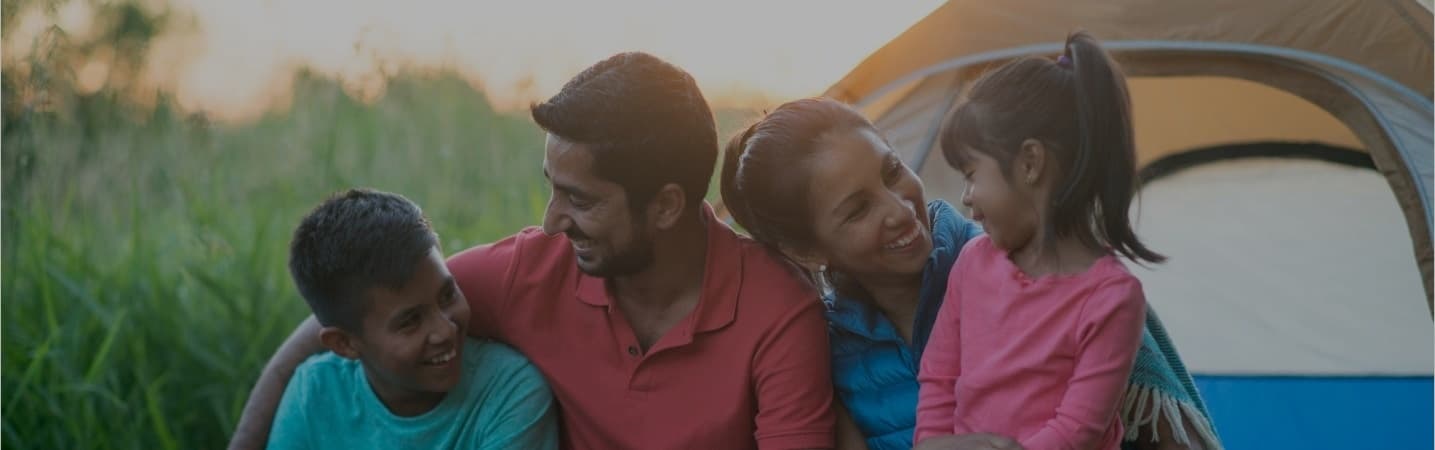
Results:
x,y
822,268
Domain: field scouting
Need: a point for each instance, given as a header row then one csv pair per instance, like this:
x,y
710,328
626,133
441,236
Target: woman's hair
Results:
x,y
1078,108
764,181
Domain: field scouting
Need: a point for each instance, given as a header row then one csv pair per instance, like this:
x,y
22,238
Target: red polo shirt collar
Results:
x,y
717,304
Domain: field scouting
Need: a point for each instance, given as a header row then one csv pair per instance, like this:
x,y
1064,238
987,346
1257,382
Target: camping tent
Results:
x,y
1285,149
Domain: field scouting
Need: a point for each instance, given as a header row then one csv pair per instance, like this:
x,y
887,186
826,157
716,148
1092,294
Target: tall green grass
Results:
x,y
144,281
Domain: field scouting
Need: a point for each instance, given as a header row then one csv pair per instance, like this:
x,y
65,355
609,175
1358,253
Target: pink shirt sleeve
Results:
x,y
940,366
1108,336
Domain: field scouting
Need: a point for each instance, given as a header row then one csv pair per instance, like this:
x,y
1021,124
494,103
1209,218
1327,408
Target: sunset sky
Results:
x,y
239,54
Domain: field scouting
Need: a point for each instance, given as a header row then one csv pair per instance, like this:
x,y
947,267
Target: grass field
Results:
x,y
144,279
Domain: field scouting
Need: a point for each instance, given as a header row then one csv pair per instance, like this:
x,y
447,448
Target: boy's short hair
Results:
x,y
353,241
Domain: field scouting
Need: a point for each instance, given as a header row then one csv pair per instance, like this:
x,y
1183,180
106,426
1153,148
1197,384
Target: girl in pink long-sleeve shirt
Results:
x,y
1041,321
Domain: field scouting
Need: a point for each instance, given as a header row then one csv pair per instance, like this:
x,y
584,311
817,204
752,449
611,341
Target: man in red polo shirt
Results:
x,y
656,325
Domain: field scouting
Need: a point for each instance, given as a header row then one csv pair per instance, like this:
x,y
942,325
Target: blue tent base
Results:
x,y
1254,412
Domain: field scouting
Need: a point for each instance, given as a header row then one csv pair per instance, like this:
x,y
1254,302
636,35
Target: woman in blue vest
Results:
x,y
815,181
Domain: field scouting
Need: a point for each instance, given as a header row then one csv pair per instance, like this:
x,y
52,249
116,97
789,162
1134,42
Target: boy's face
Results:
x,y
412,339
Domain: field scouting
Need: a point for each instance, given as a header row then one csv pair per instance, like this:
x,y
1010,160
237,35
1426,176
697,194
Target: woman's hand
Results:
x,y
973,441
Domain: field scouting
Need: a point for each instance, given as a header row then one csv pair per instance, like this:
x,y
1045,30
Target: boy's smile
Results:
x,y
412,339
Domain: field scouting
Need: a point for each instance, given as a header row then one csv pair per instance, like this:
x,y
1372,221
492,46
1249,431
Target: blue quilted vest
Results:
x,y
873,369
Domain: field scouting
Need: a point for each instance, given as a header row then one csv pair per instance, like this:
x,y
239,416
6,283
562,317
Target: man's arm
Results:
x,y
793,377
484,275
252,433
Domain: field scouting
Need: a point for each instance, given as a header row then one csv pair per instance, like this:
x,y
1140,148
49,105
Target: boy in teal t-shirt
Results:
x,y
401,373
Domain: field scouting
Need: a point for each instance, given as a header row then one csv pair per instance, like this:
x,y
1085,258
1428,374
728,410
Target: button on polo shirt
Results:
x,y
748,368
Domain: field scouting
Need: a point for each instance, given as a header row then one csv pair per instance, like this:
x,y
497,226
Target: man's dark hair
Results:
x,y
646,122
356,240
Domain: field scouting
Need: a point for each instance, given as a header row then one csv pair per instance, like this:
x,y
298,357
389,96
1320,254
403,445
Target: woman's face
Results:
x,y
868,211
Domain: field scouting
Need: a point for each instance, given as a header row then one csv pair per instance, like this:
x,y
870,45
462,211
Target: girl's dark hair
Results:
x,y
763,182
1077,106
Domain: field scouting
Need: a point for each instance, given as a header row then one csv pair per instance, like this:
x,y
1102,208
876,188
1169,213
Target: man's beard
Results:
x,y
637,257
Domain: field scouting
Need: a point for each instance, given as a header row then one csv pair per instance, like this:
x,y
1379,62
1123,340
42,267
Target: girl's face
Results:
x,y
1005,206
868,211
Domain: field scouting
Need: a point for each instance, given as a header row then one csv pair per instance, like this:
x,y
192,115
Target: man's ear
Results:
x,y
340,342
667,206
1030,164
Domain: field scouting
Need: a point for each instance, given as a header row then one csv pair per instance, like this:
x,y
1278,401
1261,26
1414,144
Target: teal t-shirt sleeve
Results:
x,y
291,426
526,418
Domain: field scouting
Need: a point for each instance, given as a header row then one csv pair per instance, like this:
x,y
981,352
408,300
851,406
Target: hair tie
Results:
x,y
1063,61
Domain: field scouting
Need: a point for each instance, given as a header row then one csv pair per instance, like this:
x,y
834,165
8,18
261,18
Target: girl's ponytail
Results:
x,y
1078,107
1102,178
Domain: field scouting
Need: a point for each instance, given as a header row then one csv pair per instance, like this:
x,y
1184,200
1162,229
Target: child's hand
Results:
x,y
973,441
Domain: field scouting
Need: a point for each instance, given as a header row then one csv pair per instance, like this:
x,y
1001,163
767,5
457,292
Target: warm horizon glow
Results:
x,y
240,55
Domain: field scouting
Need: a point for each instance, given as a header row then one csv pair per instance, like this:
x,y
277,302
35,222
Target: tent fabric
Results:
x,y
1348,412
1366,65
1301,289
1391,37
